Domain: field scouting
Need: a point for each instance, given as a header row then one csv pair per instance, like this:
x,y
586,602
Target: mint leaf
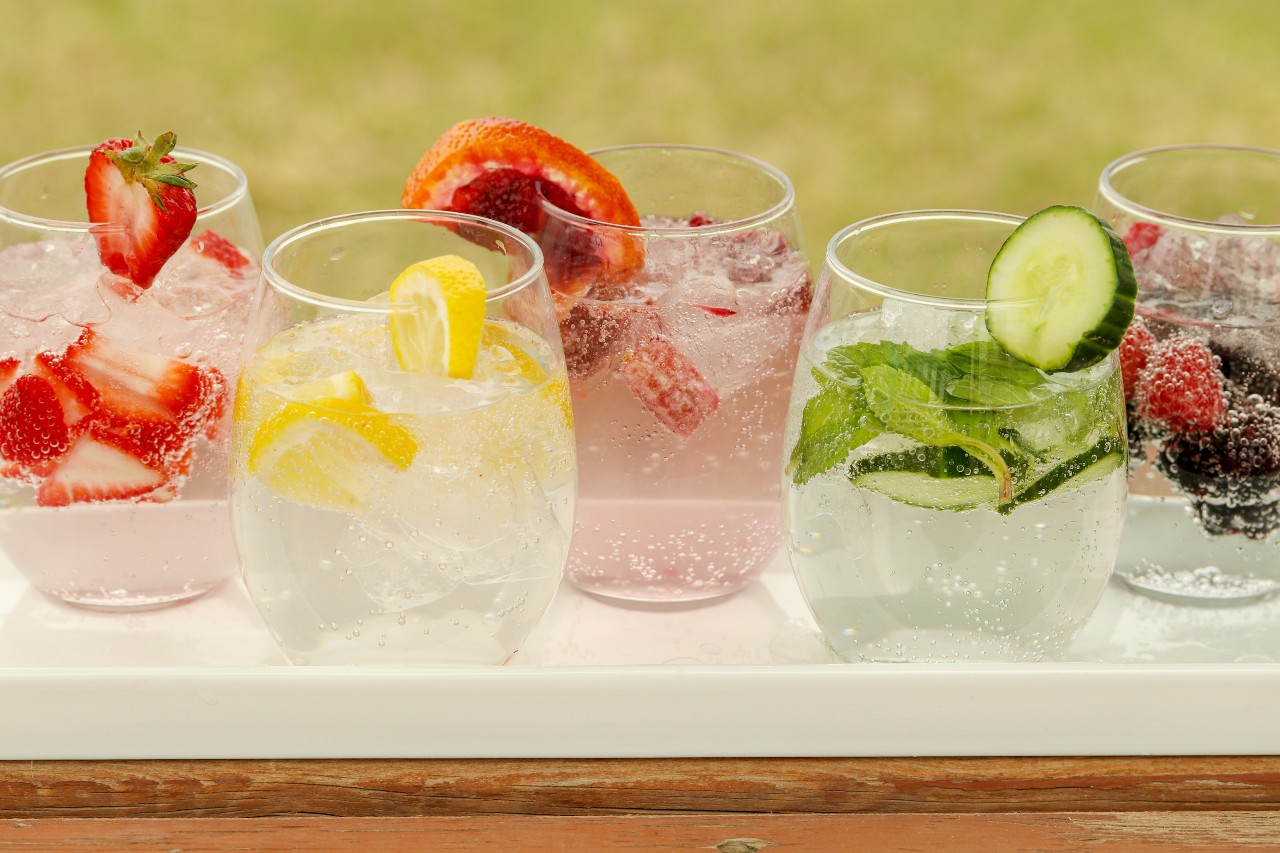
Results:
x,y
929,367
986,391
909,407
834,424
989,376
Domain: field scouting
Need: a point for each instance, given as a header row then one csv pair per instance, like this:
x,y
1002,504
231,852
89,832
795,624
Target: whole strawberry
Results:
x,y
136,187
1181,387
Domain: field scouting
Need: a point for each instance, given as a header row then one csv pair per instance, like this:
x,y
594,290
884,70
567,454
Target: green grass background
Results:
x,y
869,106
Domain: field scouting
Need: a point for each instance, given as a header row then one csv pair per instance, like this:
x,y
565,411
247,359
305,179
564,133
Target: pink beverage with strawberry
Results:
x,y
1201,370
681,366
118,332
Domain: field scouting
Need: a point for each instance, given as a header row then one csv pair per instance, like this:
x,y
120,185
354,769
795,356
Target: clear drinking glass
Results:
x,y
1202,223
944,501
128,509
680,336
393,516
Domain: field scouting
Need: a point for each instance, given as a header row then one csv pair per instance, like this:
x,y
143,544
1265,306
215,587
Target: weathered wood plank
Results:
x,y
1128,832
395,788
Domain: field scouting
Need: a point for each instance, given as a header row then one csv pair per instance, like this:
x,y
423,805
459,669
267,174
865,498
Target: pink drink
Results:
x,y
681,373
118,500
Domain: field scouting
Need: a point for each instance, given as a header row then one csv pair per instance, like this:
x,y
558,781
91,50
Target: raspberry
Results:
x,y
1134,351
1141,235
1181,387
667,383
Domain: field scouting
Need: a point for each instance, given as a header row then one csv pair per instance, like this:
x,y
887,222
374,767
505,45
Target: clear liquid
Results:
x,y
891,582
453,559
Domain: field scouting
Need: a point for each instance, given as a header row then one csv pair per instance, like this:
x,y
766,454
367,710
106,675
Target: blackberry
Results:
x,y
1231,474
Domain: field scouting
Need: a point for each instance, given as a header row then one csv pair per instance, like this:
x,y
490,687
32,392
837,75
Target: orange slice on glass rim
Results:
x,y
502,169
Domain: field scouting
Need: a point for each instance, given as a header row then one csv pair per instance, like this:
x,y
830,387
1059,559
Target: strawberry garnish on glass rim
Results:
x,y
145,201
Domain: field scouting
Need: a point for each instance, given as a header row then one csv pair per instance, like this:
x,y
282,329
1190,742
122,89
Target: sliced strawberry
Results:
x,y
503,169
130,380
158,443
715,311
1134,350
145,202
213,245
668,385
77,397
1181,388
96,471
8,372
1141,235
33,435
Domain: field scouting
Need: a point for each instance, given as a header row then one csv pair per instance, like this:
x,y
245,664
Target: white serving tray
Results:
x,y
745,676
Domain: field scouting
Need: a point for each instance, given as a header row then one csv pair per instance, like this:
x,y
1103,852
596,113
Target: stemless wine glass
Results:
x,y
386,515
945,501
123,503
680,336
1202,223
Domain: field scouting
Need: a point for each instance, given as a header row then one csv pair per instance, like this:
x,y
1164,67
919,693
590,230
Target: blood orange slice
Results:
x,y
502,168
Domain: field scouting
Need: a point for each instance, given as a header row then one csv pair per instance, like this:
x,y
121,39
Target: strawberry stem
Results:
x,y
141,164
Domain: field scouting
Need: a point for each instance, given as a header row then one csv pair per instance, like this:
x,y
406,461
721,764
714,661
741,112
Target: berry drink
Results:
x,y
117,338
682,293
1201,367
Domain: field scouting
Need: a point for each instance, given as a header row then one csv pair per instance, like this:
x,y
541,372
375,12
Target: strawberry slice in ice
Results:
x,y
96,471
33,435
212,245
131,383
668,385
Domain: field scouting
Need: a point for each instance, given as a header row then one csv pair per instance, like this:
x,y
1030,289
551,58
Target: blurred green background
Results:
x,y
868,106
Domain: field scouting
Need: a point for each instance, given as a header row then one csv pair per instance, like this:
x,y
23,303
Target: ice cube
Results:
x,y
54,278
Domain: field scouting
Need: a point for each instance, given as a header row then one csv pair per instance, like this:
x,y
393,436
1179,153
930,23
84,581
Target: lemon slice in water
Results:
x,y
441,332
328,446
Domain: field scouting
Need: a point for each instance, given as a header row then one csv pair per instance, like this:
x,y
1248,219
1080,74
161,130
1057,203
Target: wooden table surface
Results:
x,y
992,805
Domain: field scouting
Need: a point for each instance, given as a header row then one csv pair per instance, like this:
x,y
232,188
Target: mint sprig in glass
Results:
x,y
948,499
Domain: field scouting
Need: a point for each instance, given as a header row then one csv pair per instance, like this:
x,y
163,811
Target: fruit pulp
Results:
x,y
894,577
678,496
450,558
140,379
1205,507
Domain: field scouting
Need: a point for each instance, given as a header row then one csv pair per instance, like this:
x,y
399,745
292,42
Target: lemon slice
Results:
x,y
512,340
441,333
328,446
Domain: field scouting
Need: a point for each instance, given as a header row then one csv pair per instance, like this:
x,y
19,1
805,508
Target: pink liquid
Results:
x,y
173,543
666,518
122,556
662,550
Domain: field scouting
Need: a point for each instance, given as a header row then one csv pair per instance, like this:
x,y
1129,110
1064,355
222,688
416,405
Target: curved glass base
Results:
x,y
1165,554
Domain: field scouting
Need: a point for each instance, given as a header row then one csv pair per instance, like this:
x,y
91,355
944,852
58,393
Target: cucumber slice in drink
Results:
x,y
1060,291
1094,464
946,477
920,489
941,462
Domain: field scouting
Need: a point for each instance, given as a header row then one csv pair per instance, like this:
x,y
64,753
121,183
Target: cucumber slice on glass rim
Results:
x,y
1060,291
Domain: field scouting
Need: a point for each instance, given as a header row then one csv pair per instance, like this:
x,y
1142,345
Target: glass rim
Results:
x,y
357,306
886,220
785,204
1108,191
202,158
